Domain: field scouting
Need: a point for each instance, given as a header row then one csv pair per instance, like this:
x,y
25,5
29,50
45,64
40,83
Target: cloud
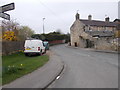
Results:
x,y
59,15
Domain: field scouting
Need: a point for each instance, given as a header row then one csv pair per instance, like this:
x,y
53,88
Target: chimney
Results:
x,y
77,16
90,17
107,19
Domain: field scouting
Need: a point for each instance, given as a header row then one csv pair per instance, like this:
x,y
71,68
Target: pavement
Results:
x,y
96,50
40,78
107,51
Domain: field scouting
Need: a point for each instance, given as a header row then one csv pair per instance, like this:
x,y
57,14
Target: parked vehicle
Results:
x,y
46,45
34,47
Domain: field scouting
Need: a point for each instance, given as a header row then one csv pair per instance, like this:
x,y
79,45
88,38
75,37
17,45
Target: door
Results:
x,y
75,44
89,44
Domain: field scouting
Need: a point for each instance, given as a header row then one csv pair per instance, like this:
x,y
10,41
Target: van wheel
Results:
x,y
26,54
40,53
44,51
29,54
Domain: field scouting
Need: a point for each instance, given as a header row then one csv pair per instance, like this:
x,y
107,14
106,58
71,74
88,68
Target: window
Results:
x,y
84,28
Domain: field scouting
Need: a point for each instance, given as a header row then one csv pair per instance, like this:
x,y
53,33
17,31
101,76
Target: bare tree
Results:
x,y
11,25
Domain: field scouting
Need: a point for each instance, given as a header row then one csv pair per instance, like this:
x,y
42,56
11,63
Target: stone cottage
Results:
x,y
118,23
86,32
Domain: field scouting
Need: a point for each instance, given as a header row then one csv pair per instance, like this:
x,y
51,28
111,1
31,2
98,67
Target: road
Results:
x,y
86,68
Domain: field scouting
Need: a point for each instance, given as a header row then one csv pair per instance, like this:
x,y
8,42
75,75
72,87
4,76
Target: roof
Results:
x,y
117,20
98,23
105,33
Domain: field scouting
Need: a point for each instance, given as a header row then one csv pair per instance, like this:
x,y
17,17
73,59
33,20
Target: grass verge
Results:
x,y
17,65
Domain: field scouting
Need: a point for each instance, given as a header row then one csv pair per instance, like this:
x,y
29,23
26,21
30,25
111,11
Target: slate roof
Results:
x,y
118,23
98,23
117,20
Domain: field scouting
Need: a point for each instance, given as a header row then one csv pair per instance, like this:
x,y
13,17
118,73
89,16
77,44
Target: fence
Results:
x,y
9,47
56,42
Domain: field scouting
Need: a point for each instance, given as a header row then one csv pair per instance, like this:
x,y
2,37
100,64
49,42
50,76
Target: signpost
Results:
x,y
5,8
5,16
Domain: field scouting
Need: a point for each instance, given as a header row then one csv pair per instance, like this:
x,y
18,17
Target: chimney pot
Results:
x,y
77,16
90,17
107,19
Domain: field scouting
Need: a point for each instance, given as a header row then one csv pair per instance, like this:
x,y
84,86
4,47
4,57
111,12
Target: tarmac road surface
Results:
x,y
86,68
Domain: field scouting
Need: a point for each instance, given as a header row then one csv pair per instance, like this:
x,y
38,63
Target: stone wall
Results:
x,y
105,44
75,31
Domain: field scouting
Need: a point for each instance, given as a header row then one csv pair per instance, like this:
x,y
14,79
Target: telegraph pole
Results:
x,y
43,26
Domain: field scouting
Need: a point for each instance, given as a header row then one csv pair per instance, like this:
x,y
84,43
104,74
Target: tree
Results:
x,y
9,30
25,32
67,38
58,31
21,32
11,25
36,36
9,36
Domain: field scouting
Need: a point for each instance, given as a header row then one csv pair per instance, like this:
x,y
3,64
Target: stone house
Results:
x,y
85,33
118,23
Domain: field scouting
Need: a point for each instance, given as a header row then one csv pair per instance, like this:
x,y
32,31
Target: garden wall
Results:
x,y
106,44
9,47
56,42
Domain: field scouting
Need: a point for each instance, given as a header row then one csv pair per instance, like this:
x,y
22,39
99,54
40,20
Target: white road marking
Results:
x,y
58,77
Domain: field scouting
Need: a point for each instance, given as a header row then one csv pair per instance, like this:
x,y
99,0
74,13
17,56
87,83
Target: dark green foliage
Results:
x,y
52,36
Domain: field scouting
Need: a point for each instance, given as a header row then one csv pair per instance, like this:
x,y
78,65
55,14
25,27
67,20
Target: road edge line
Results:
x,y
51,82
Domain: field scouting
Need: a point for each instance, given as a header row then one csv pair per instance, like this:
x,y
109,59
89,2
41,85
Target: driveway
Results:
x,y
86,68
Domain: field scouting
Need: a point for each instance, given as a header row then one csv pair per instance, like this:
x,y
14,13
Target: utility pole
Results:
x,y
43,26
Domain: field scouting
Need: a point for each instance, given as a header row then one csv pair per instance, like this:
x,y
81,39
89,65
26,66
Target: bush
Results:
x,y
52,36
9,35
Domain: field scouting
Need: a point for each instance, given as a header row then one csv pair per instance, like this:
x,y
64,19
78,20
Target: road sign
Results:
x,y
5,16
7,7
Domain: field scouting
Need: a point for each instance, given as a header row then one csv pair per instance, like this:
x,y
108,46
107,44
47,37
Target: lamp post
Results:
x,y
43,26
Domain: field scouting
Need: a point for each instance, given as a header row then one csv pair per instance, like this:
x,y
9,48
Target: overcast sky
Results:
x,y
59,14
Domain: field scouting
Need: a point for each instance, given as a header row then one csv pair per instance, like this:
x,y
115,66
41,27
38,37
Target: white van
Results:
x,y
33,47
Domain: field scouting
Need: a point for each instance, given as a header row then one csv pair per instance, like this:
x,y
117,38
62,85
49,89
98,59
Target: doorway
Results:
x,y
89,44
75,44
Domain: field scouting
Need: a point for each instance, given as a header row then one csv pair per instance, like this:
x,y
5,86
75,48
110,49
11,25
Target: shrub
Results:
x,y
9,35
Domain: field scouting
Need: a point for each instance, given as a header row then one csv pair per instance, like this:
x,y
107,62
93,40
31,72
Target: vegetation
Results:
x,y
10,36
17,65
25,32
52,36
12,31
